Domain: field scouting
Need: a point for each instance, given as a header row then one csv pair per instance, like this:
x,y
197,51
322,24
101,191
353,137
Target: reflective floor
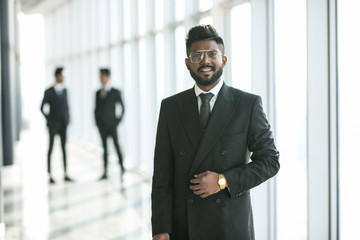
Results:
x,y
86,209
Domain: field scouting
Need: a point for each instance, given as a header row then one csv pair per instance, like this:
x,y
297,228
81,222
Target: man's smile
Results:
x,y
206,69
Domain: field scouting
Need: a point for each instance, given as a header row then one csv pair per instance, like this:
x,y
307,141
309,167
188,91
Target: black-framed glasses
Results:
x,y
198,56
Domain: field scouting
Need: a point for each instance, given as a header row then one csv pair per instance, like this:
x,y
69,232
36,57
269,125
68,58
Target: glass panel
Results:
x,y
160,84
181,69
142,16
127,18
159,13
205,5
349,117
241,47
32,58
84,10
291,84
130,95
142,69
104,58
103,21
206,20
115,21
146,108
76,29
180,9
93,24
64,30
117,71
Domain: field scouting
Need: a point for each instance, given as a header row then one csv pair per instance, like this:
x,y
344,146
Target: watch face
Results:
x,y
222,181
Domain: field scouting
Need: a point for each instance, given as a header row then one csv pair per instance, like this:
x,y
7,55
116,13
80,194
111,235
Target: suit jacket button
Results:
x,y
218,200
223,152
190,200
182,153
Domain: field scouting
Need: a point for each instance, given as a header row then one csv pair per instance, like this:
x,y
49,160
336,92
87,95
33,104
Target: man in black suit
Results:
x,y
202,173
55,108
108,100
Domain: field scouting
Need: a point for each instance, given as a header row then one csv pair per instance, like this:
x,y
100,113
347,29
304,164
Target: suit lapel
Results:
x,y
190,117
219,118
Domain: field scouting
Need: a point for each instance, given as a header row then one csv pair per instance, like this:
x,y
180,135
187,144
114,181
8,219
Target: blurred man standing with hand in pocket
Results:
x,y
108,100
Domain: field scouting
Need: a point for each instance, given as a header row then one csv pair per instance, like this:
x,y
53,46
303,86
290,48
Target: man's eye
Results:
x,y
212,53
197,55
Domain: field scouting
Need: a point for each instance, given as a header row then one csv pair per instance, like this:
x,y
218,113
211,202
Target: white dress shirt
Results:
x,y
107,86
215,90
59,87
105,89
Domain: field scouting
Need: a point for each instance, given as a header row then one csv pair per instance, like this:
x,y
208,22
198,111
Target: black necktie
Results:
x,y
103,93
205,108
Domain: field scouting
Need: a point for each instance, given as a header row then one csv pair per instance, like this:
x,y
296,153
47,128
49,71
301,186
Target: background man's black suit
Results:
x,y
57,119
107,121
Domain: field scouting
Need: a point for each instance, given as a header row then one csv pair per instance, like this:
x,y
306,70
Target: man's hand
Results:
x,y
205,184
162,236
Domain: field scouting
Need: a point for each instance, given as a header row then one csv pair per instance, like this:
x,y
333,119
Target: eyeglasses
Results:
x,y
198,56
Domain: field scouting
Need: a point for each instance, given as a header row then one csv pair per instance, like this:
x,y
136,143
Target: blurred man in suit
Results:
x,y
108,101
202,174
55,108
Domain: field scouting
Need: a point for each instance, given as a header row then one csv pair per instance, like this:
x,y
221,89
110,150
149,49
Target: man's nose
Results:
x,y
206,58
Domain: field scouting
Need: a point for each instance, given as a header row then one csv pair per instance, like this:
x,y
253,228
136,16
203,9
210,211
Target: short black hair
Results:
x,y
105,71
203,32
58,71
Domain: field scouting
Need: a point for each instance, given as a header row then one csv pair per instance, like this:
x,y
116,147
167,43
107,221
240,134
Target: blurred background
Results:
x,y
301,56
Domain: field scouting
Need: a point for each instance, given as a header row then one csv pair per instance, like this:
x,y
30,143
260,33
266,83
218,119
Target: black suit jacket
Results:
x,y
58,106
105,115
237,127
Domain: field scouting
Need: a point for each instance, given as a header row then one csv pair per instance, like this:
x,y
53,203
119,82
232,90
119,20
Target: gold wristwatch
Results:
x,y
222,181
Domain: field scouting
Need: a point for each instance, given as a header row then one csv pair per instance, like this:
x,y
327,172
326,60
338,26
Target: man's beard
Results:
x,y
206,82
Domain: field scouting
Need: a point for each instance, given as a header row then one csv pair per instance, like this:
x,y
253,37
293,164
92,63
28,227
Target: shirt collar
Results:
x,y
59,87
107,86
215,90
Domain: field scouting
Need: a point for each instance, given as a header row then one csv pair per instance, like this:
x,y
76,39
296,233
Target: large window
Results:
x,y
180,10
115,21
143,42
127,13
159,13
181,70
291,94
349,117
103,23
241,46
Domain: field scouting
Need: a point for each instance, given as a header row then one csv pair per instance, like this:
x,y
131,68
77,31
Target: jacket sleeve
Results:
x,y
44,101
120,101
67,118
96,108
265,156
162,184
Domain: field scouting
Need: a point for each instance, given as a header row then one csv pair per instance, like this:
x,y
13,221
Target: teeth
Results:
x,y
206,70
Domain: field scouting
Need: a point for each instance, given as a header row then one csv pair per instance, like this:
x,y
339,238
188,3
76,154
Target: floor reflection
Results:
x,y
117,208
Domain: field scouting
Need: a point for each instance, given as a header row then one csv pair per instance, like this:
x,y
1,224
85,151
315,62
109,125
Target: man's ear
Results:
x,y
224,61
187,63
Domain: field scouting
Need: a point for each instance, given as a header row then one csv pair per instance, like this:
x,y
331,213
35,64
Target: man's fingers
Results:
x,y
201,174
195,187
195,180
204,195
199,192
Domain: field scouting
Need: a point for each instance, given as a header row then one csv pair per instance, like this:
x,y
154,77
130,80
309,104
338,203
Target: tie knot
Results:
x,y
206,97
